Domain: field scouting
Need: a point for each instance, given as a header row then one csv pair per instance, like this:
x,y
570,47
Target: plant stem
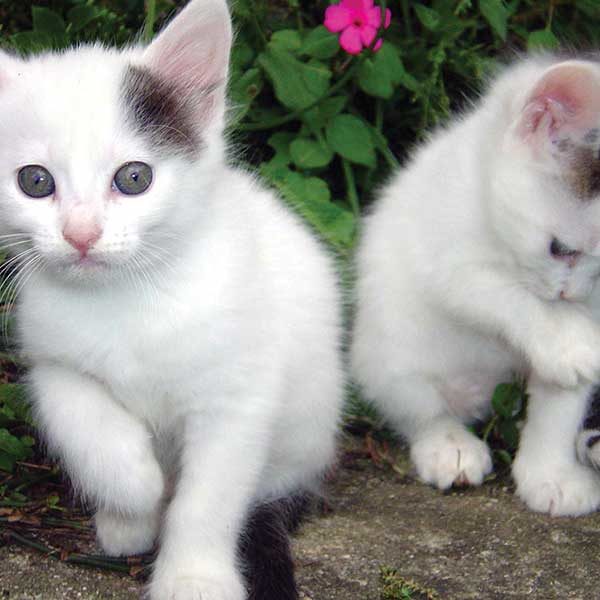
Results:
x,y
351,187
489,427
150,20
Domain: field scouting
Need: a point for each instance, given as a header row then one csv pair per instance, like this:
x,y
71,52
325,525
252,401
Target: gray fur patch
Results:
x,y
584,174
564,144
159,111
592,136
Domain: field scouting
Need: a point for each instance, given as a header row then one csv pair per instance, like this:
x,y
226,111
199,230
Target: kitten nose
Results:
x,y
81,231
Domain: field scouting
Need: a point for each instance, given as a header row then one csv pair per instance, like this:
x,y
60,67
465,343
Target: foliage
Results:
x,y
15,445
501,432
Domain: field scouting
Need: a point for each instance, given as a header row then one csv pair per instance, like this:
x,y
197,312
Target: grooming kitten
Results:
x,y
479,261
181,323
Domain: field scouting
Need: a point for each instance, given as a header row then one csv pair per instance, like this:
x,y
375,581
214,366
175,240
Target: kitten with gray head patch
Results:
x,y
481,261
183,326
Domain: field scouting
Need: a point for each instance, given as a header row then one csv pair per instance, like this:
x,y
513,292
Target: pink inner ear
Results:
x,y
193,50
567,98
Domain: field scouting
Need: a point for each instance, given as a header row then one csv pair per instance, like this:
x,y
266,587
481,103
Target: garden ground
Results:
x,y
476,543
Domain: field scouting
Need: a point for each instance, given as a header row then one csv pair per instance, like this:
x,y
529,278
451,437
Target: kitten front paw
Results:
x,y
196,586
126,536
449,454
567,490
568,353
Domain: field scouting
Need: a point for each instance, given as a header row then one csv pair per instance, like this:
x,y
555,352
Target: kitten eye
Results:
x,y
35,181
558,249
133,178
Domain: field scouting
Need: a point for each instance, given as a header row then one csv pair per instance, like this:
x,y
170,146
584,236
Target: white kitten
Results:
x,y
179,319
480,261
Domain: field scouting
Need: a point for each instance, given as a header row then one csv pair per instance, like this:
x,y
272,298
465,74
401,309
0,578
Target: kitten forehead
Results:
x,y
159,111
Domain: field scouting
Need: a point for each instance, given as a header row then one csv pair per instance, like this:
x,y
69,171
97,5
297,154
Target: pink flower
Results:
x,y
358,20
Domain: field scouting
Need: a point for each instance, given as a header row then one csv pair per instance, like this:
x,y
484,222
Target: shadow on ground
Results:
x,y
478,543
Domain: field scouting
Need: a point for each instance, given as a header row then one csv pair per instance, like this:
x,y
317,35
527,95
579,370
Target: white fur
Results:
x,y
204,349
457,289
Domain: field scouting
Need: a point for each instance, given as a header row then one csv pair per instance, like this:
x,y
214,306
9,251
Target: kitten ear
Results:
x,y
566,98
192,54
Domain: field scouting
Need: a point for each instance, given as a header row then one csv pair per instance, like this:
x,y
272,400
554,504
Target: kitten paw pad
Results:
x,y
196,588
560,491
446,458
126,536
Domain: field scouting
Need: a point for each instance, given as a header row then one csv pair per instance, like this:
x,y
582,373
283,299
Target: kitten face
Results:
x,y
104,156
546,189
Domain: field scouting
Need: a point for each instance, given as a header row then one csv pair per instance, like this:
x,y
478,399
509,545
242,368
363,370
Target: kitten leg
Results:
x,y
548,475
443,450
561,340
221,464
107,453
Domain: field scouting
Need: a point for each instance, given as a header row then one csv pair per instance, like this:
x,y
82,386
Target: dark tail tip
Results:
x,y
265,549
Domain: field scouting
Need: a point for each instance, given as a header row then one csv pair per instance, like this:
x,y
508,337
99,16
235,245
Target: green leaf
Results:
x,y
503,456
296,85
242,55
310,198
27,441
31,41
12,445
378,76
317,118
320,43
496,15
506,400
243,90
7,462
316,76
310,154
429,18
47,21
543,38
13,397
510,434
81,16
287,39
280,142
350,137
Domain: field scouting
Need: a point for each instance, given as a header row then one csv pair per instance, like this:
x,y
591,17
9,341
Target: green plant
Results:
x,y
15,422
396,587
501,432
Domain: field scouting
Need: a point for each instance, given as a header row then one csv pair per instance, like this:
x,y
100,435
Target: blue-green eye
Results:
x,y
36,181
133,178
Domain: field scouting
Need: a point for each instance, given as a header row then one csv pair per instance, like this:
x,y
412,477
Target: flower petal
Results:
x,y
374,17
337,17
361,6
367,34
350,40
378,45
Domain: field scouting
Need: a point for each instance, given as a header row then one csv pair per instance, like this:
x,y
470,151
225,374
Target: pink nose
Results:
x,y
81,231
